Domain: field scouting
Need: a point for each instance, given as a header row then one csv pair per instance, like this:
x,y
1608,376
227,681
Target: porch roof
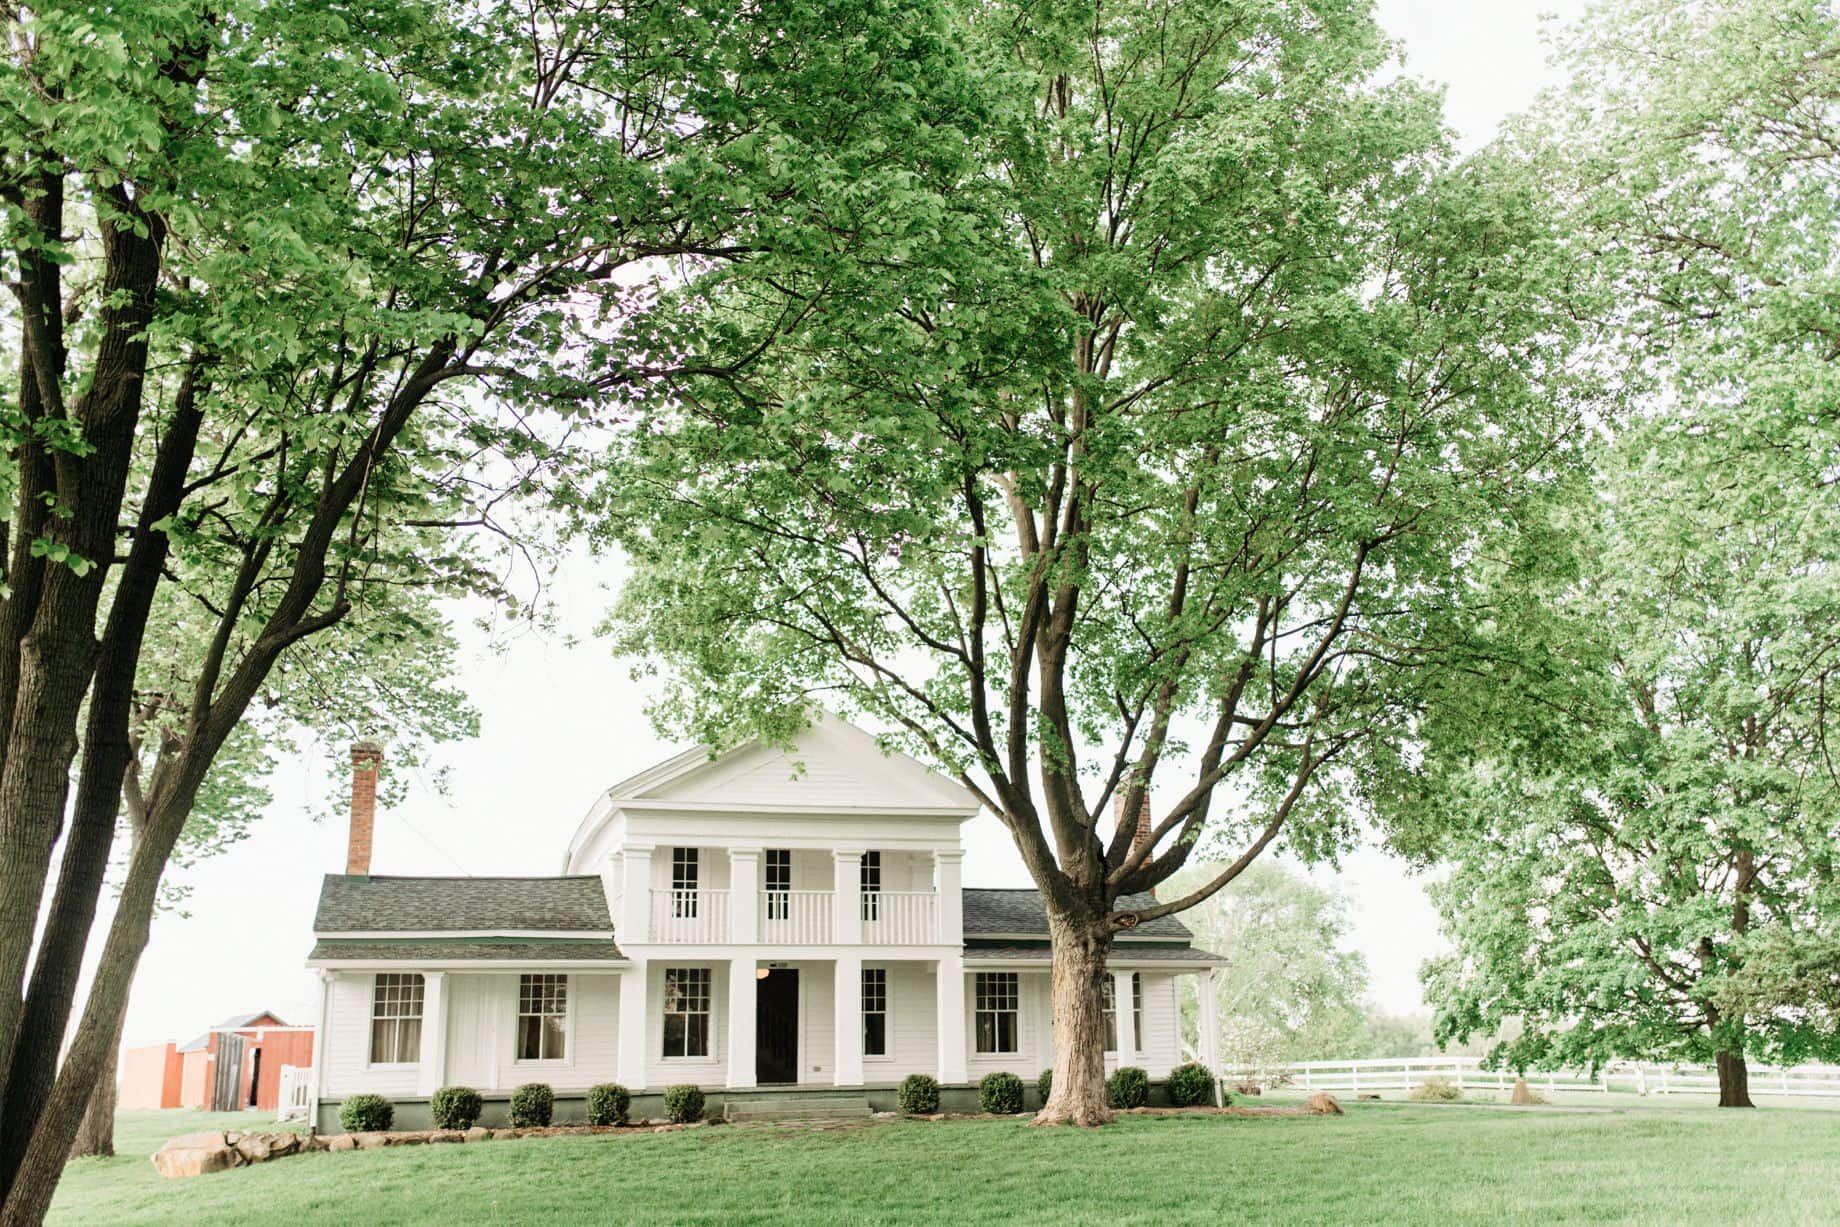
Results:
x,y
1038,952
435,950
1020,912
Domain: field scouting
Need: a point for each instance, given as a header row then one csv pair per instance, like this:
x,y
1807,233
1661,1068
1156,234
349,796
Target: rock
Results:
x,y
253,1147
478,1133
284,1144
1322,1103
175,1161
447,1135
413,1138
1522,1095
371,1140
342,1141
210,1137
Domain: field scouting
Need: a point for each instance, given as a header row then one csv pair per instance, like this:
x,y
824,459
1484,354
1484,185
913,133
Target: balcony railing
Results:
x,y
900,918
690,916
797,917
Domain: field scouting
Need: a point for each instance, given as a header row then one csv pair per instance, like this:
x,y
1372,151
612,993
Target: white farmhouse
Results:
x,y
766,924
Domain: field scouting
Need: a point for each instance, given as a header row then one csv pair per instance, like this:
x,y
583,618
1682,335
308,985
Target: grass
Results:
x,y
1382,1163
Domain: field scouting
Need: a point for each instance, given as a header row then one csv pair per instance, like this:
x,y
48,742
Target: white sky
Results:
x,y
562,720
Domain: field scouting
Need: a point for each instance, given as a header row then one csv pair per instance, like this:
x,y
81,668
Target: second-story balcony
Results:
x,y
798,917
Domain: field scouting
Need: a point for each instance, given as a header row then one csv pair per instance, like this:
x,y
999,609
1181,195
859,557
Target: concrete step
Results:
x,y
792,1107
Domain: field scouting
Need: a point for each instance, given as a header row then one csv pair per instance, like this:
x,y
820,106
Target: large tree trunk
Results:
x,y
96,1135
1079,945
1734,1080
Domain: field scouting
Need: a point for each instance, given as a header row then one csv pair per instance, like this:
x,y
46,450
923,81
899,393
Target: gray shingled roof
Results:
x,y
592,950
1120,954
1021,913
352,904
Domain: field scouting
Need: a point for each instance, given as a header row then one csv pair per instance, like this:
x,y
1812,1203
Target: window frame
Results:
x,y
1110,1009
686,882
778,896
707,1013
881,996
1003,991
567,1014
400,981
869,884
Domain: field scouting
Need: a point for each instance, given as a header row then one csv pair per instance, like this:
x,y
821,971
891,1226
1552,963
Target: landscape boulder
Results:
x,y
195,1154
1322,1103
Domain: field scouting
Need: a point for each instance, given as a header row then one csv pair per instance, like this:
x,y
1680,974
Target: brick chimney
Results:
x,y
1141,835
366,760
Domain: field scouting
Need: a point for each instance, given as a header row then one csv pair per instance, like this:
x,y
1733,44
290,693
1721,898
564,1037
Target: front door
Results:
x,y
776,1026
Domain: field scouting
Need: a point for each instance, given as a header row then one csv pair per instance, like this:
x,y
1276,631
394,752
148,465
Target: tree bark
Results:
x,y
1079,944
96,1135
1734,1080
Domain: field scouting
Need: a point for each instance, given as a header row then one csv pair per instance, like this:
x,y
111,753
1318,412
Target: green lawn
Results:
x,y
1383,1163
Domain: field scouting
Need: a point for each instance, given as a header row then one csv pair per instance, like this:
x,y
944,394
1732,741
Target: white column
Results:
x,y
634,923
1122,982
948,881
1207,988
633,1018
741,1013
317,1079
847,928
744,901
433,1074
950,990
848,995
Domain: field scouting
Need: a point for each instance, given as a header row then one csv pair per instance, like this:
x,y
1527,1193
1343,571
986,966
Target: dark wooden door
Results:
x,y
227,1073
776,1027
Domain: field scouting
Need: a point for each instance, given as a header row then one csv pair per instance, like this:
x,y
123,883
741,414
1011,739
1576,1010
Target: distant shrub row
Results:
x,y
533,1105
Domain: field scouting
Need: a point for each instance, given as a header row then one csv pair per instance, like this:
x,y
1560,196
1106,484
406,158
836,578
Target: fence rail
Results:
x,y
296,1084
690,916
797,917
1378,1075
901,918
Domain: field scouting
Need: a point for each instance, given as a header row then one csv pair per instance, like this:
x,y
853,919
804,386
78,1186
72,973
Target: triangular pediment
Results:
x,y
832,765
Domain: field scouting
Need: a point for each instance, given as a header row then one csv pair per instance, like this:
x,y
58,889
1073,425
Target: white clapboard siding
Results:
x,y
1032,1053
913,1025
347,1054
662,1071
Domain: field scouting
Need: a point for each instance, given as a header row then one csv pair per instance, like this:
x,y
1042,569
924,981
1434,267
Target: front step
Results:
x,y
788,1107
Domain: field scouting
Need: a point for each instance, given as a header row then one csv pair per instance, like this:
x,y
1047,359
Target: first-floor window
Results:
x,y
998,996
875,1011
1137,1009
1111,1012
543,1011
396,1018
686,1011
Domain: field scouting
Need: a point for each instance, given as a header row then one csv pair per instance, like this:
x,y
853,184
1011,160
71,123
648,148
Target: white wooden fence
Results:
x,y
296,1084
1643,1078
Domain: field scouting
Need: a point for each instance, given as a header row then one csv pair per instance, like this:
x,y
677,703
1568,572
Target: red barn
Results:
x,y
235,1065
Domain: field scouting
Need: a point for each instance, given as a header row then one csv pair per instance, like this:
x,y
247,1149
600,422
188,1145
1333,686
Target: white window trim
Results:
x,y
370,1022
887,1054
567,1060
1016,1012
714,1055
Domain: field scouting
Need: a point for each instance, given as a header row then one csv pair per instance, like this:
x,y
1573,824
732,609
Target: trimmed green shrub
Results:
x,y
1000,1094
919,1095
1437,1089
683,1103
456,1107
366,1114
1190,1084
608,1104
532,1104
1128,1087
1045,1084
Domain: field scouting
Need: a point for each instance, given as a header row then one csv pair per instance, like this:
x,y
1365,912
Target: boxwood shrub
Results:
x,y
1190,1084
683,1103
1000,1094
456,1107
532,1105
1045,1084
1128,1087
919,1095
608,1104
366,1114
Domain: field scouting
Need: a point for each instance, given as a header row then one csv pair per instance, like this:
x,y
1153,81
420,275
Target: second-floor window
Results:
x,y
779,883
871,886
543,1014
875,1011
998,997
684,873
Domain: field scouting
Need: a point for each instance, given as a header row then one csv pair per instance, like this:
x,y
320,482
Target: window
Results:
x,y
779,883
875,1011
686,1011
1111,1012
396,1018
997,996
871,879
543,1014
684,869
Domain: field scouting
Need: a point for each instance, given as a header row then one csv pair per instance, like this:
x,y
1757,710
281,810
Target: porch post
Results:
x,y
317,1078
631,1062
1125,1016
950,993
847,926
634,923
948,880
1207,988
848,996
433,1073
742,997
744,899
